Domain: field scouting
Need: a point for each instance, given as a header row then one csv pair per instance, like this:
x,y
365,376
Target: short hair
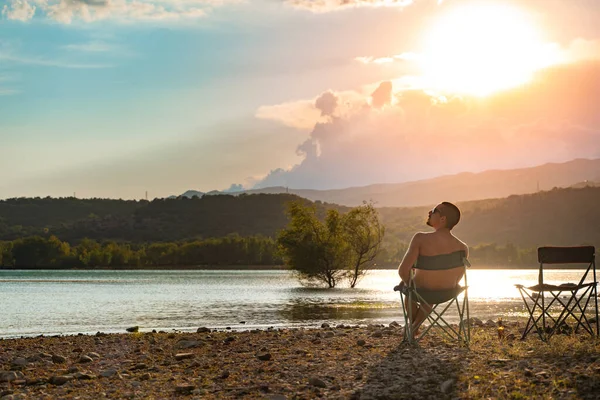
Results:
x,y
452,214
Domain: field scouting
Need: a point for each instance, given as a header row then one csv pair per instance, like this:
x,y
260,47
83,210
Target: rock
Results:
x,y
329,334
145,377
139,366
60,380
73,369
229,339
184,389
361,342
316,382
9,376
394,324
263,356
242,322
84,376
94,355
133,329
188,344
58,359
107,373
446,386
183,356
340,326
324,325
85,359
224,375
377,334
203,330
276,397
19,362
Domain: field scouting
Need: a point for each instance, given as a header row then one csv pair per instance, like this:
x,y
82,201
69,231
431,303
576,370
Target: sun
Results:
x,y
483,48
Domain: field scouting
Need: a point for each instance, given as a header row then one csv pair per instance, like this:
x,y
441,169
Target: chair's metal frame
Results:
x,y
534,297
463,334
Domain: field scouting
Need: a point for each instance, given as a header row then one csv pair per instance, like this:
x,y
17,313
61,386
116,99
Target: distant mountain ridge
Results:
x,y
464,186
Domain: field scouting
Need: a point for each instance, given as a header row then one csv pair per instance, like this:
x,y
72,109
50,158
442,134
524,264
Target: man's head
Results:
x,y
444,215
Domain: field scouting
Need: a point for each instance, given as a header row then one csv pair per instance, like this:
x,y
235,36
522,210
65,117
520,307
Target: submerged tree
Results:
x,y
341,246
315,249
364,234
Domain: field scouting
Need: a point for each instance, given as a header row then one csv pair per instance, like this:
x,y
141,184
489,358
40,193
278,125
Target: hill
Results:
x,y
557,217
460,187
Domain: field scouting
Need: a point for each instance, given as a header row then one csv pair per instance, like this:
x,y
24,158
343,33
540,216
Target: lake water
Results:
x,y
67,302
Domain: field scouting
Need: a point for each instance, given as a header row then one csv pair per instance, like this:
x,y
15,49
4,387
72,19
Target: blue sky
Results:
x,y
113,98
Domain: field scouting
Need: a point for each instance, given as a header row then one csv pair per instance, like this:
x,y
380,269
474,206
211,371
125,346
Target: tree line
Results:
x,y
51,252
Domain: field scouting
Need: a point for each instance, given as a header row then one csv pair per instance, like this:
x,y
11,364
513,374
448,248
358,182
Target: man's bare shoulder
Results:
x,y
464,246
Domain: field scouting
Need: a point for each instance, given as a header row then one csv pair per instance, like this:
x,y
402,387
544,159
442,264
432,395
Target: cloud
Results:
x,y
382,95
405,135
8,92
326,103
90,47
67,11
304,114
322,6
49,62
19,10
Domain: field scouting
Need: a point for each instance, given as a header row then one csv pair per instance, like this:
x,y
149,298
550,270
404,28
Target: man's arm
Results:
x,y
410,258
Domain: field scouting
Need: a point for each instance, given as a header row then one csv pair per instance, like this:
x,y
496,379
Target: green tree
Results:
x,y
315,249
364,234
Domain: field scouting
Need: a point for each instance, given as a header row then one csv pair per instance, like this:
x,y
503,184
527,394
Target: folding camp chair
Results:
x,y
434,298
579,295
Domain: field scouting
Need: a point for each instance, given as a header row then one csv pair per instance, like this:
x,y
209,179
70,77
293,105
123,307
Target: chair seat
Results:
x,y
433,296
556,288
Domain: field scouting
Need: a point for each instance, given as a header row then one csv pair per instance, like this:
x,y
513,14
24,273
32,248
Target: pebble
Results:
x,y
85,359
184,389
263,356
203,330
60,380
58,359
183,356
19,362
316,382
107,373
361,342
446,386
188,344
8,376
133,329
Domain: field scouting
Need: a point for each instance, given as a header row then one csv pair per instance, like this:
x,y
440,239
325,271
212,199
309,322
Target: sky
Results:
x,y
116,98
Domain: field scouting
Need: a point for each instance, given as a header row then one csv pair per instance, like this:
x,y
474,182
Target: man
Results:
x,y
442,218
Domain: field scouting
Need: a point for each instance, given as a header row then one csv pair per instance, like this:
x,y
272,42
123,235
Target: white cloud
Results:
x,y
322,6
399,135
67,11
19,10
90,47
49,62
8,92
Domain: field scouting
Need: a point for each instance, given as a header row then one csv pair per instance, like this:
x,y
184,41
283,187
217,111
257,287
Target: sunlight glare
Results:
x,y
483,48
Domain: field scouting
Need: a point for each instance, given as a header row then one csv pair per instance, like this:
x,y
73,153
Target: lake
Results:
x,y
69,302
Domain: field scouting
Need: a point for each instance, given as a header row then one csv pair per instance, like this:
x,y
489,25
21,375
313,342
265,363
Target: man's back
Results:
x,y
433,244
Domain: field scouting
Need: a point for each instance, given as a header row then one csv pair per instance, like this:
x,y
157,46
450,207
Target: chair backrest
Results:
x,y
442,261
567,255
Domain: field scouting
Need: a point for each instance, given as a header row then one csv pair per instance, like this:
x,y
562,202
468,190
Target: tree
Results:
x,y
315,249
364,234
340,246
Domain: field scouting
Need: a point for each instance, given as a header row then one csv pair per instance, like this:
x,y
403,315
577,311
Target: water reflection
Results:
x,y
87,301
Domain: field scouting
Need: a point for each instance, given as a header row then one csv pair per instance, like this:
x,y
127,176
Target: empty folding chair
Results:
x,y
550,306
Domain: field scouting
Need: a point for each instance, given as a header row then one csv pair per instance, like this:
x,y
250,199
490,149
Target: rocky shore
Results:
x,y
334,362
